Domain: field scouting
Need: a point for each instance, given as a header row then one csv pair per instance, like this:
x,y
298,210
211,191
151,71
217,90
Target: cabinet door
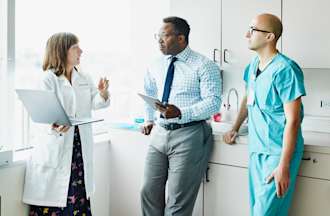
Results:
x,y
311,197
11,191
128,150
204,19
306,32
236,18
198,208
226,193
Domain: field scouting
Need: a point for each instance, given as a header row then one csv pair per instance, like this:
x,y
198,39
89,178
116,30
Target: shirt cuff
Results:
x,y
186,114
150,116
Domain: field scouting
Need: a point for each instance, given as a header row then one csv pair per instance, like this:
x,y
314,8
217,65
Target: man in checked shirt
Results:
x,y
189,86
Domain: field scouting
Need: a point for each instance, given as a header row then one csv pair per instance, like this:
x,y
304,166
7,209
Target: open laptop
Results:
x,y
44,107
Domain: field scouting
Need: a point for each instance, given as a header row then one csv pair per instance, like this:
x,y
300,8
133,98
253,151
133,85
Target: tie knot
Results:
x,y
174,59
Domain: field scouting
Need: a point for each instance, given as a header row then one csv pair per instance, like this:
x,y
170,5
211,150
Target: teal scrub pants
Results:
x,y
263,198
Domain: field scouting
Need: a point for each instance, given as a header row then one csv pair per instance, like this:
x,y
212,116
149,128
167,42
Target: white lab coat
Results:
x,y
48,171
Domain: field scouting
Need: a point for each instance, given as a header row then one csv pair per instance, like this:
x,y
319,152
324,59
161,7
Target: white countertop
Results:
x,y
311,138
316,138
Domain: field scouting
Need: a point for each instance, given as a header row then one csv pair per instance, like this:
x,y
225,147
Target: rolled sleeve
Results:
x,y
150,89
210,91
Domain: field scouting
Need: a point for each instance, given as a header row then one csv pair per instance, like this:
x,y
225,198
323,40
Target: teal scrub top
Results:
x,y
280,82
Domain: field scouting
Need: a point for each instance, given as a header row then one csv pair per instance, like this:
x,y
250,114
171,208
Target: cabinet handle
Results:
x,y
214,54
224,56
306,158
207,175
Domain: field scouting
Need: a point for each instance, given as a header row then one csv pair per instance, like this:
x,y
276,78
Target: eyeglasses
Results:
x,y
252,29
163,36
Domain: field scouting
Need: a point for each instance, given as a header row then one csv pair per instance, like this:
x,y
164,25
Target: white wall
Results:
x,y
316,82
145,20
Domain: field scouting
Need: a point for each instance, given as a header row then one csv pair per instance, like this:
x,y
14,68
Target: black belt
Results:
x,y
174,126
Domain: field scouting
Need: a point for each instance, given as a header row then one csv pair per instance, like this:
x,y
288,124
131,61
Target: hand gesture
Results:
x,y
103,87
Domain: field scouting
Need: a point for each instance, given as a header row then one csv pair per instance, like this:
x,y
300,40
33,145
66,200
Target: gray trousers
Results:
x,y
179,158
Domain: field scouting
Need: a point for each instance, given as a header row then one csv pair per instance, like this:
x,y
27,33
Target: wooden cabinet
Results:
x,y
226,192
224,24
204,18
226,185
312,194
228,182
11,190
311,197
127,157
236,18
306,32
198,208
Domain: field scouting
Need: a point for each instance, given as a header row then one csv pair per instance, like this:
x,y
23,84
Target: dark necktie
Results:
x,y
169,80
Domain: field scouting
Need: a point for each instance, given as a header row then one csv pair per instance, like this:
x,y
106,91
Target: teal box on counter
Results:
x,y
127,126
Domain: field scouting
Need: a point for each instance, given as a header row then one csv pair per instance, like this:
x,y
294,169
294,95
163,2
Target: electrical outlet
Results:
x,y
325,104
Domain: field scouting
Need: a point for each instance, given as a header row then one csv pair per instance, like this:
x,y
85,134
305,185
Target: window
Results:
x,y
103,30
6,73
117,42
3,89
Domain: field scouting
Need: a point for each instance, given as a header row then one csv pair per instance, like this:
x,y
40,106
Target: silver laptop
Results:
x,y
44,107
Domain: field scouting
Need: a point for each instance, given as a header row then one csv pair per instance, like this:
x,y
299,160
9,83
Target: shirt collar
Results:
x,y
268,63
62,77
74,76
183,55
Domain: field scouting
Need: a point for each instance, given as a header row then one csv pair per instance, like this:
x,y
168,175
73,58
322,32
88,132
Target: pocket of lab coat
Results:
x,y
48,151
83,100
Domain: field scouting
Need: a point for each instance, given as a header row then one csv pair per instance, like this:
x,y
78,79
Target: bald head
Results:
x,y
270,22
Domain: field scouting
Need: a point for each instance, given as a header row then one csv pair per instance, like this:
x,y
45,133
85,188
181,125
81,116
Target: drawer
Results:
x,y
315,165
311,197
234,155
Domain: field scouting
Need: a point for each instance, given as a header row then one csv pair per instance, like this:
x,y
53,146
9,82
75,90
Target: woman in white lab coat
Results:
x,y
59,176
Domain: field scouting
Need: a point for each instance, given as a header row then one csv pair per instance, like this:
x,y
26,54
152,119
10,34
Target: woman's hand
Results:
x,y
60,128
103,88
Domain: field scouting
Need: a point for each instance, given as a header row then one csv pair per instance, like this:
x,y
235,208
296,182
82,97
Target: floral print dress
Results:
x,y
77,203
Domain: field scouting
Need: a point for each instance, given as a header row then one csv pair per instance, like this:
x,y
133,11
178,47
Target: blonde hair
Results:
x,y
57,50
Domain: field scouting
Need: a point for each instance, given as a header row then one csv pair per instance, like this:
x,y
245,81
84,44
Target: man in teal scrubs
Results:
x,y
274,87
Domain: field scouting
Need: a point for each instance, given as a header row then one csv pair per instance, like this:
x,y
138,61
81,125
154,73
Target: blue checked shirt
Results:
x,y
196,87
